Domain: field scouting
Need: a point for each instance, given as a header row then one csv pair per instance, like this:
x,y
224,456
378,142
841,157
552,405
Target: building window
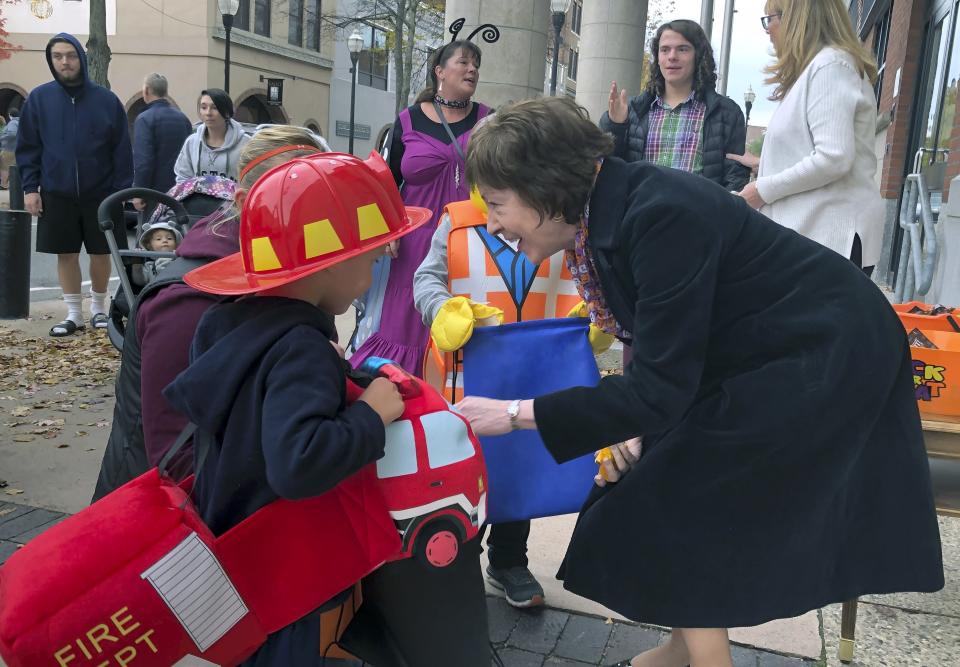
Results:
x,y
241,20
295,23
261,17
576,13
573,60
880,39
374,59
312,20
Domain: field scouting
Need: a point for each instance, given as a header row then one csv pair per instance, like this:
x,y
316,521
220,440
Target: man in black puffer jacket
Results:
x,y
680,121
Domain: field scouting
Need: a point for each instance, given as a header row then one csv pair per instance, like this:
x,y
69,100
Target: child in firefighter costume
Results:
x,y
473,278
263,374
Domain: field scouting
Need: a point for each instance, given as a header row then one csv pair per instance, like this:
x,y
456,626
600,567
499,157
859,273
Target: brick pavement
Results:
x,y
543,638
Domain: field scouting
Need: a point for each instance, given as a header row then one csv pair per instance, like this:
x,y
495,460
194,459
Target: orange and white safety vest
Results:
x,y
486,269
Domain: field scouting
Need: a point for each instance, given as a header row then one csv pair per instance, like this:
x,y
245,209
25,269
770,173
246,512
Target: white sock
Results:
x,y
74,311
98,302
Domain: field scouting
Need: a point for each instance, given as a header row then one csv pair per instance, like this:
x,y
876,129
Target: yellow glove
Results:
x,y
603,455
600,340
453,325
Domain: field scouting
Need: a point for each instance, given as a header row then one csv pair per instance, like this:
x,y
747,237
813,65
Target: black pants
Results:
x,y
856,256
507,544
414,615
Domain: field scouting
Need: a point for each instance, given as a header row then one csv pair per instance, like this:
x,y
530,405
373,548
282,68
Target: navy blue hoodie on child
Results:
x,y
265,380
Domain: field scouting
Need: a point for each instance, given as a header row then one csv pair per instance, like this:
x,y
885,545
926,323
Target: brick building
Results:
x,y
917,44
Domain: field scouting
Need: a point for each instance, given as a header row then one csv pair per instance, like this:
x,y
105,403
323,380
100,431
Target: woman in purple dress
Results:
x,y
429,140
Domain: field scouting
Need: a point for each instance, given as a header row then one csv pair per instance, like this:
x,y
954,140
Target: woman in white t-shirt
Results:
x,y
816,174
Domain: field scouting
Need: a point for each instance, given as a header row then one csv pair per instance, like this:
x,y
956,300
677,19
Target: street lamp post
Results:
x,y
355,45
559,9
748,98
228,8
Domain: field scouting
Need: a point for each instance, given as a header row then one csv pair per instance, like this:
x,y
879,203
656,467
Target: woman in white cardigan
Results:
x,y
816,173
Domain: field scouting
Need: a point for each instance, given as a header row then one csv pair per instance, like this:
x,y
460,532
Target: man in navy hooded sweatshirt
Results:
x,y
73,149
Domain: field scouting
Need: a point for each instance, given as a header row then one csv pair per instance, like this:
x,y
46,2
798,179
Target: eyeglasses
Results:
x,y
765,20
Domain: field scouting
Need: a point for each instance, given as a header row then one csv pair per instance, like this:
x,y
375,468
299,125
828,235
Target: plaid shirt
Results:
x,y
674,137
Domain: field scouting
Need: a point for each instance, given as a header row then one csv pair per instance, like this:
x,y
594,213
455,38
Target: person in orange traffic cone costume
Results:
x,y
472,278
264,379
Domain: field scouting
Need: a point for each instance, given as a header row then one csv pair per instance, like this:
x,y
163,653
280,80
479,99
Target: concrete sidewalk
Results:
x,y
55,416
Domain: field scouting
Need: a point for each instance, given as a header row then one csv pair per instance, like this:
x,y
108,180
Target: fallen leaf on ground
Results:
x,y
20,411
23,438
6,510
50,422
62,446
80,434
3,483
13,492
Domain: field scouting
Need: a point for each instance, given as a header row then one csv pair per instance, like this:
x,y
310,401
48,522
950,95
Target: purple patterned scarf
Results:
x,y
584,272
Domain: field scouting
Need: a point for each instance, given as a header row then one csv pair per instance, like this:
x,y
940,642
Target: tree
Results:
x,y
98,51
656,11
409,23
756,146
7,49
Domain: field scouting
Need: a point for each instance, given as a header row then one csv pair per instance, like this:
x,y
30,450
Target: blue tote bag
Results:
x,y
526,360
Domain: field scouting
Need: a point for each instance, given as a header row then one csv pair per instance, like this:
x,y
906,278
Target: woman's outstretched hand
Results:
x,y
752,195
487,416
617,105
749,160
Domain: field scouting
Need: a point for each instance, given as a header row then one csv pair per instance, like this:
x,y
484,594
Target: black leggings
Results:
x,y
856,256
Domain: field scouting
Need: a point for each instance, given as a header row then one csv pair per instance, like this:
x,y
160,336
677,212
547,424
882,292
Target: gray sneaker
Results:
x,y
518,584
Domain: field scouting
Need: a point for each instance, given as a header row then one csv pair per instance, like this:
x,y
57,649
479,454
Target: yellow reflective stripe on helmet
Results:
x,y
264,257
371,222
319,238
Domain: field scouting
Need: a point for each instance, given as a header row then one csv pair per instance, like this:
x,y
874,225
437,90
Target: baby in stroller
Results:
x,y
164,235
201,196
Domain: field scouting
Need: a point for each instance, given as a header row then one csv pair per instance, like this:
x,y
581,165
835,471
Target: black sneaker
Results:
x,y
518,584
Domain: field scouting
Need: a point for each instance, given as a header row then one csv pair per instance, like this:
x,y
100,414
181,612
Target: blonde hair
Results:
x,y
269,139
264,141
806,27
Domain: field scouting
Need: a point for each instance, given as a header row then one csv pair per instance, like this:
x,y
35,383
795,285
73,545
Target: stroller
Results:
x,y
189,202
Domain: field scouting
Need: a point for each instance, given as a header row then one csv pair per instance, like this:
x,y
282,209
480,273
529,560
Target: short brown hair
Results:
x,y
545,150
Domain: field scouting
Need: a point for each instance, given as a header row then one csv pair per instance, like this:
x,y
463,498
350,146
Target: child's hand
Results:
x,y
382,395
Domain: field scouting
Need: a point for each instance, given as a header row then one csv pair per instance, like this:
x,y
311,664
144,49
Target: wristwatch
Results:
x,y
513,411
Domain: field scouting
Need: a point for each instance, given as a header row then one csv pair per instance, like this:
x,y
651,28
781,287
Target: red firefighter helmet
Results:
x,y
307,215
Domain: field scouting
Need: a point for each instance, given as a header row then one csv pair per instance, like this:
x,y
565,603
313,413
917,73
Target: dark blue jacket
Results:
x,y
74,145
264,379
158,136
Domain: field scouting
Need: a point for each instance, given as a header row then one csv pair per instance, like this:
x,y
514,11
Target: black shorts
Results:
x,y
66,224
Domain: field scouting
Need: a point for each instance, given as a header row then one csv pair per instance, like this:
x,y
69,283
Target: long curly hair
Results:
x,y
704,65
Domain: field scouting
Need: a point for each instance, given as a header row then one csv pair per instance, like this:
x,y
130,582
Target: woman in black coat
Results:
x,y
783,466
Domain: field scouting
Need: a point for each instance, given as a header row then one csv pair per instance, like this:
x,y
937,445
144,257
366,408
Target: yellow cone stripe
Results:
x,y
319,238
371,222
264,257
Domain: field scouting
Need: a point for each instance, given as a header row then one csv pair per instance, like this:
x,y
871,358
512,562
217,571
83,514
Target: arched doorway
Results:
x,y
11,97
383,137
252,108
134,109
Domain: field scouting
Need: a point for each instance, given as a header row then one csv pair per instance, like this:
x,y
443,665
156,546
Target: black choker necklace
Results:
x,y
453,104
